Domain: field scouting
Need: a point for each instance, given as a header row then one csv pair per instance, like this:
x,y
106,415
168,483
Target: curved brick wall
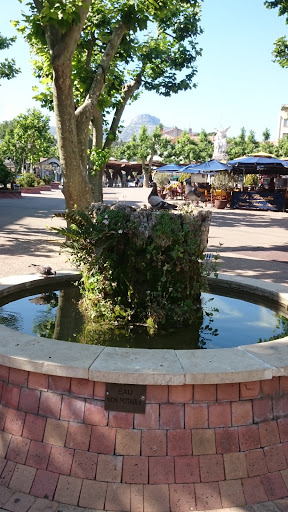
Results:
x,y
197,447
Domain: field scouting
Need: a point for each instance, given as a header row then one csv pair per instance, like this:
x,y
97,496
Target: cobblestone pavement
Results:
x,y
249,243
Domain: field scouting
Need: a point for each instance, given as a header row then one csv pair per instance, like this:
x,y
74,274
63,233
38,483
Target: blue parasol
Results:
x,y
207,167
255,160
170,168
259,164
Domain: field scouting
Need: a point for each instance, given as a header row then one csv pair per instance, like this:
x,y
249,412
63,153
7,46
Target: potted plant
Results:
x,y
161,179
222,184
251,181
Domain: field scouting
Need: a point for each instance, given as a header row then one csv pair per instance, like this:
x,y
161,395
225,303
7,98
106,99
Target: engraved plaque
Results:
x,y
125,398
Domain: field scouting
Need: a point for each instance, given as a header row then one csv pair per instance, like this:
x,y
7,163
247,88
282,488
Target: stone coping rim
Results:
x,y
145,366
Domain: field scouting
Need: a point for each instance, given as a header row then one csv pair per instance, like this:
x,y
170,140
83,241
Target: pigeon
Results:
x,y
157,202
44,270
193,194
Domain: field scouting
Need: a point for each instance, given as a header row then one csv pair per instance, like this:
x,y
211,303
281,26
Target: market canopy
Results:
x,y
190,169
170,168
259,164
208,167
262,153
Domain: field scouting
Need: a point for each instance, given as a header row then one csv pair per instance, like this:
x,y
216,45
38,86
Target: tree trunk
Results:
x,y
76,187
97,174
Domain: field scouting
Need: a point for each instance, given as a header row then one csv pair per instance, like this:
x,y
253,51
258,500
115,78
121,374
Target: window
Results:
x,y
285,123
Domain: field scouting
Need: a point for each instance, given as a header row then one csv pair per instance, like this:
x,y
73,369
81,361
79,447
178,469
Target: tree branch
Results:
x,y
86,109
128,91
64,47
84,113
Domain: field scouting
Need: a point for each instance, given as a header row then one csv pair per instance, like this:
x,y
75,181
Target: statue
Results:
x,y
220,144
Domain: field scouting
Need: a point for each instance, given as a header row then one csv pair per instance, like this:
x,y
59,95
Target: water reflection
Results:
x,y
221,322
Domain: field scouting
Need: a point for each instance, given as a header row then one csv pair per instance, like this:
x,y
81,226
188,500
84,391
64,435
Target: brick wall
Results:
x,y
197,446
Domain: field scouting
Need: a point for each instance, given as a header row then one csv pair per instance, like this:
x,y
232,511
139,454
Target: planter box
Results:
x,y
30,190
45,188
220,204
9,194
55,184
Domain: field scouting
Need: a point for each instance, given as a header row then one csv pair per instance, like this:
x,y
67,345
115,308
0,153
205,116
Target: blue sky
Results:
x,y
238,84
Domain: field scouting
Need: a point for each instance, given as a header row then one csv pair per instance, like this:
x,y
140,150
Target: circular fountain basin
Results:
x,y
214,433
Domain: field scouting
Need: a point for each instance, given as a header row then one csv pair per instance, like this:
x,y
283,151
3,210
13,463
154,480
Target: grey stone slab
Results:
x,y
137,366
249,283
274,353
222,366
45,355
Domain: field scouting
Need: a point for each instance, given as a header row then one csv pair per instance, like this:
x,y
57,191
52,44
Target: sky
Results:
x,y
238,83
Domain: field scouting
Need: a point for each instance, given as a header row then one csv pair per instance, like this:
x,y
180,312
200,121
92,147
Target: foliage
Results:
x,y
281,150
266,135
267,147
98,158
138,265
4,127
28,180
205,147
144,148
47,180
28,138
241,145
161,178
280,51
8,67
184,176
251,180
223,180
185,149
6,175
98,55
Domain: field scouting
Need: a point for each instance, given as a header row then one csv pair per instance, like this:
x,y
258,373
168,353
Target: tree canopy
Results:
x,y
97,55
8,67
280,51
27,138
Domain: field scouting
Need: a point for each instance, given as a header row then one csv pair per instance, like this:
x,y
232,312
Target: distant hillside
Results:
x,y
134,127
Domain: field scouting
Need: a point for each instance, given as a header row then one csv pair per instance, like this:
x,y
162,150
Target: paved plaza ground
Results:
x,y
249,243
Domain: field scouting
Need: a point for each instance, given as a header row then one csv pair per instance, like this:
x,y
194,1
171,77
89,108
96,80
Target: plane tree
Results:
x,y
27,138
280,51
8,67
98,55
144,147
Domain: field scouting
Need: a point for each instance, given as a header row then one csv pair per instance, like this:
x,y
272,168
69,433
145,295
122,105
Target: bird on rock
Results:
x,y
193,193
44,270
157,202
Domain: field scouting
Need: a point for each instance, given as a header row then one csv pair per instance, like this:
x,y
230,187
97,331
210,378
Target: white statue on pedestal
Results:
x,y
220,144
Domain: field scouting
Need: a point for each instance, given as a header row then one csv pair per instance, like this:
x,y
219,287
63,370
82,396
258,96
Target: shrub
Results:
x,y
251,180
6,175
27,180
161,178
139,266
224,180
47,180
